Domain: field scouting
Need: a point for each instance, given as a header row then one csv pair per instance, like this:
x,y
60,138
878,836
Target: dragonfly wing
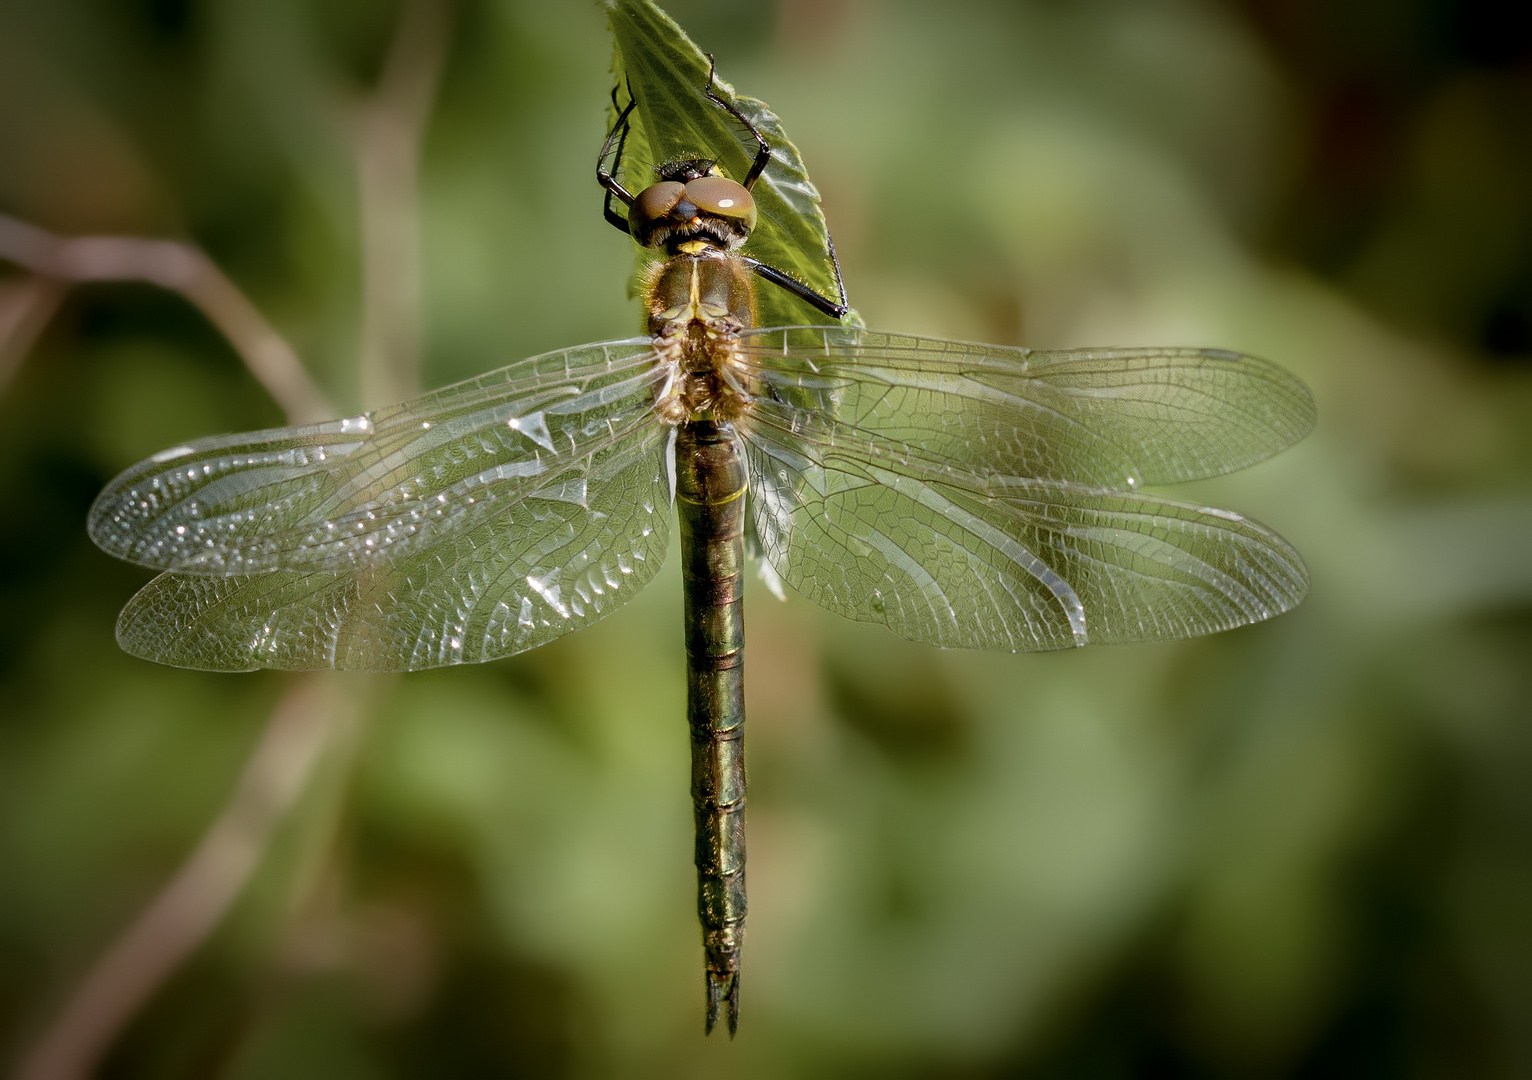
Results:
x,y
392,484
546,566
1117,418
960,559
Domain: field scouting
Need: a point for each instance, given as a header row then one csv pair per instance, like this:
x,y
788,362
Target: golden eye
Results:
x,y
724,198
654,203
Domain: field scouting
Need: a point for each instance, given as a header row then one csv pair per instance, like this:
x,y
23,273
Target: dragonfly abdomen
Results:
x,y
710,503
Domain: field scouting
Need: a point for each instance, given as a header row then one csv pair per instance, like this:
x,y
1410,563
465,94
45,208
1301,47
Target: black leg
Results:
x,y
799,289
840,282
619,221
763,155
606,178
770,273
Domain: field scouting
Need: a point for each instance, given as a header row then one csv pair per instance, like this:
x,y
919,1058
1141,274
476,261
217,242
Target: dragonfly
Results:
x,y
962,495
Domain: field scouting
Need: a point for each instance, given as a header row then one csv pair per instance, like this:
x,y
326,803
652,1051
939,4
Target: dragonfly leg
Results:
x,y
799,289
762,159
608,178
763,151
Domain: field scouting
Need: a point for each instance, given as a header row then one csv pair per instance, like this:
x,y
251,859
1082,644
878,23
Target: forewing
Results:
x,y
1118,418
391,485
885,534
546,566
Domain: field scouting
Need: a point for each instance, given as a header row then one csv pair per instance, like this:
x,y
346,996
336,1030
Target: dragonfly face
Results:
x,y
680,215
962,495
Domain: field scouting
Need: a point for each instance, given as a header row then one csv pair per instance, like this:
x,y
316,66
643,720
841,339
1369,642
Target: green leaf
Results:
x,y
667,74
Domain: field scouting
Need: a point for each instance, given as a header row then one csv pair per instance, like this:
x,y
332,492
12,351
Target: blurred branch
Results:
x,y
25,308
186,911
389,129
186,270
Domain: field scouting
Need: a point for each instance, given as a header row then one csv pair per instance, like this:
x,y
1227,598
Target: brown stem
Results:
x,y
188,908
25,308
186,911
186,270
389,130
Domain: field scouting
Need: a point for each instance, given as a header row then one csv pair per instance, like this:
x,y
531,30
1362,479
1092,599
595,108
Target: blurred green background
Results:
x,y
1298,849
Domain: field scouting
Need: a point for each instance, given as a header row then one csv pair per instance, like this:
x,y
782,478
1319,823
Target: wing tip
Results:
x,y
1302,413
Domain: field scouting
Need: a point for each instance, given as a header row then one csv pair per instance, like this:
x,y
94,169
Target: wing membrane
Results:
x,y
1117,418
963,495
473,523
487,592
875,530
391,484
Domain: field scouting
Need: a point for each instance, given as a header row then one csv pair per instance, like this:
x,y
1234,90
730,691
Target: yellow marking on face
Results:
x,y
693,247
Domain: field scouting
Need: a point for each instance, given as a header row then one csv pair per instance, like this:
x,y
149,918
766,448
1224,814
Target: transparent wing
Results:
x,y
478,521
1117,418
544,567
878,530
393,484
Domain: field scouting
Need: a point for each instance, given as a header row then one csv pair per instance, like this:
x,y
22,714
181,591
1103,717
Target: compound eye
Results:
x,y
654,203
722,197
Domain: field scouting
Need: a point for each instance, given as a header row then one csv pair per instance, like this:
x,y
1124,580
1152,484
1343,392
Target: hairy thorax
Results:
x,y
698,302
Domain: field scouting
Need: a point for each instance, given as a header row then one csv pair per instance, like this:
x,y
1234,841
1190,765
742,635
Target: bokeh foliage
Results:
x,y
1296,849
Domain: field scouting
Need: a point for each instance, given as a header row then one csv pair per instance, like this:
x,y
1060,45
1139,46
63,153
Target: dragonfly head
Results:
x,y
690,205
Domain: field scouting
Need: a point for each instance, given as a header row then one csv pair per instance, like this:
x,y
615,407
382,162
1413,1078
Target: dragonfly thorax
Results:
x,y
686,212
698,303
